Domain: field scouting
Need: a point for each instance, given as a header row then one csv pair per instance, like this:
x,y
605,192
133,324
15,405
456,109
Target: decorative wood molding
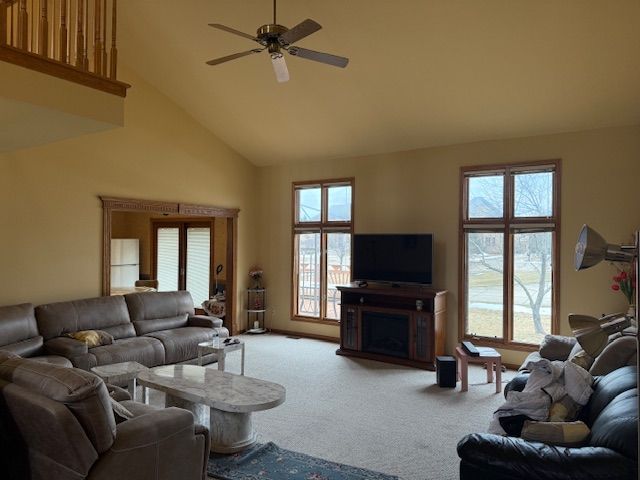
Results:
x,y
206,211
136,205
111,204
61,70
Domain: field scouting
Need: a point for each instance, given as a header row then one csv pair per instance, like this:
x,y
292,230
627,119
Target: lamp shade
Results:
x,y
593,333
591,249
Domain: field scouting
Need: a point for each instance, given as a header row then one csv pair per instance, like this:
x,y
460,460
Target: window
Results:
x,y
183,256
509,253
322,231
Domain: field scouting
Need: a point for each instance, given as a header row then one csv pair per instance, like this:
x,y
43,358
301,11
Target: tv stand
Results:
x,y
398,324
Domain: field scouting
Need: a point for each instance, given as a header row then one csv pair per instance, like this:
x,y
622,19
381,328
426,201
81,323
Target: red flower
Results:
x,y
623,275
615,287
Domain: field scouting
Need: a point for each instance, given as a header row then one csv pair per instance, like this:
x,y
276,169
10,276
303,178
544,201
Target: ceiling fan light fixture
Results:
x,y
280,67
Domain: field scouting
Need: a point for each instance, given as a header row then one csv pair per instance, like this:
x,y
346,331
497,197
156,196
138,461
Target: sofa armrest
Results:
x,y
117,393
65,346
517,458
204,321
161,441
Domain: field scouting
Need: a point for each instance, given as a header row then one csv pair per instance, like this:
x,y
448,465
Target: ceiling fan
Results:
x,y
275,39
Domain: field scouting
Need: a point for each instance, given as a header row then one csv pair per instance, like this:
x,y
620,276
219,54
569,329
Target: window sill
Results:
x,y
335,323
494,343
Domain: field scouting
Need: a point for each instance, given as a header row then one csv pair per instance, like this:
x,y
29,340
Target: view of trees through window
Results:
x,y
509,241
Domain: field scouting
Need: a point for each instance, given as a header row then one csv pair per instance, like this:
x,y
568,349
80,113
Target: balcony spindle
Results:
x,y
114,50
23,26
97,45
63,31
3,23
43,35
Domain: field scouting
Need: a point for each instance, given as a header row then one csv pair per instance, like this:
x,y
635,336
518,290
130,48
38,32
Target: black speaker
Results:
x,y
446,372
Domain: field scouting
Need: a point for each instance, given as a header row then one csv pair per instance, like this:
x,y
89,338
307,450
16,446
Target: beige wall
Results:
x,y
51,220
418,191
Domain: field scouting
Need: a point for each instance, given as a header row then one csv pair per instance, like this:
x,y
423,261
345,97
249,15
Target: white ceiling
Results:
x,y
422,72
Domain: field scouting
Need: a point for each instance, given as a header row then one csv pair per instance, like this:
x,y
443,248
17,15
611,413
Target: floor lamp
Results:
x,y
592,333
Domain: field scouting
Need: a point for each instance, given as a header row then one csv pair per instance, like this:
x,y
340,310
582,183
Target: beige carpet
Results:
x,y
383,417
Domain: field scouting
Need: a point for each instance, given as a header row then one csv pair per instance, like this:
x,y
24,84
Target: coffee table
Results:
x,y
118,373
220,349
489,357
222,400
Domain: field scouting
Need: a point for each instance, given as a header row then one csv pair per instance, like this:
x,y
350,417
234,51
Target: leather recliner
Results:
x,y
610,452
63,418
19,335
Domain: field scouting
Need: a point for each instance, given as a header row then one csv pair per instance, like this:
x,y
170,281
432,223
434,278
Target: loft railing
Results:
x,y
80,34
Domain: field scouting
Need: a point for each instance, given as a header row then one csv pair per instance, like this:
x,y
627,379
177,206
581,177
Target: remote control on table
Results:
x,y
471,349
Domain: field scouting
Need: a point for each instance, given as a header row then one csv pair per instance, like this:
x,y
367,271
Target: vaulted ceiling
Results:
x,y
422,72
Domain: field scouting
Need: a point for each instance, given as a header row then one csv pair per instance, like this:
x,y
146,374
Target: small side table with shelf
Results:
x,y
256,310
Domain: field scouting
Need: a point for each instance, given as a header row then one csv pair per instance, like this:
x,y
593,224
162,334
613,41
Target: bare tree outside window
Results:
x,y
531,249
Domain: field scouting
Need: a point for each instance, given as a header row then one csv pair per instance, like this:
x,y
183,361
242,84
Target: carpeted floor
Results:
x,y
368,414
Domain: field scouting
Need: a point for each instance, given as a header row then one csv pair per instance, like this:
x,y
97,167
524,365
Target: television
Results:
x,y
395,258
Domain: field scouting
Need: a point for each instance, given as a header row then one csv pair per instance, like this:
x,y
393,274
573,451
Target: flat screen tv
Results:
x,y
395,258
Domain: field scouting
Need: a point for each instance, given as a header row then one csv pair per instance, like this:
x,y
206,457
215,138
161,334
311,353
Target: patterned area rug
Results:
x,y
270,462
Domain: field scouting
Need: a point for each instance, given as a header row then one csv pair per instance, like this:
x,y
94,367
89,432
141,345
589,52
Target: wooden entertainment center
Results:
x,y
403,325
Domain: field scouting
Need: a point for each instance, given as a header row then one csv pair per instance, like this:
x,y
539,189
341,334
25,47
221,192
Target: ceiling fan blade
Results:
x,y
280,68
234,31
233,57
319,56
303,29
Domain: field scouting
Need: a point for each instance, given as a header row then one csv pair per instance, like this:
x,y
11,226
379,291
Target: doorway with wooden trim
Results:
x,y
181,247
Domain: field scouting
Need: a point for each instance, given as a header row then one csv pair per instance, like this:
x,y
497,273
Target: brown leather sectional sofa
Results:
x,y
151,328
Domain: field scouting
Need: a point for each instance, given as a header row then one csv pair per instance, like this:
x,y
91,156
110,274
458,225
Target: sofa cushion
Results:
x,y
144,350
17,323
567,434
181,344
620,352
155,311
616,426
102,313
608,387
83,393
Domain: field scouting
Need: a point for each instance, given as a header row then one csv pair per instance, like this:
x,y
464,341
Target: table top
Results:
x,y
485,352
221,390
217,345
119,372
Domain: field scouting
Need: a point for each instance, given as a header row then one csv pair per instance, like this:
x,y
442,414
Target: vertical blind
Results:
x,y
198,262
168,256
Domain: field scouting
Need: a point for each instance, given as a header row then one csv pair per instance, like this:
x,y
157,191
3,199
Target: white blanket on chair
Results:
x,y
548,382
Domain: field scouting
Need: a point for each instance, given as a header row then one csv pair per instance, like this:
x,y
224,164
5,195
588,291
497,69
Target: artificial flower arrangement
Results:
x,y
625,282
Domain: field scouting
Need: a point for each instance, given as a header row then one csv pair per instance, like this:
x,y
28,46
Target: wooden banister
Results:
x,y
65,31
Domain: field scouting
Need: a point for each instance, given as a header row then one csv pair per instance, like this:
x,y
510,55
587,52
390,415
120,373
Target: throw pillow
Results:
x,y
556,347
120,410
564,410
92,338
565,434
582,359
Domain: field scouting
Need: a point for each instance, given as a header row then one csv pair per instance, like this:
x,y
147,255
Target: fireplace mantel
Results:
x,y
421,310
